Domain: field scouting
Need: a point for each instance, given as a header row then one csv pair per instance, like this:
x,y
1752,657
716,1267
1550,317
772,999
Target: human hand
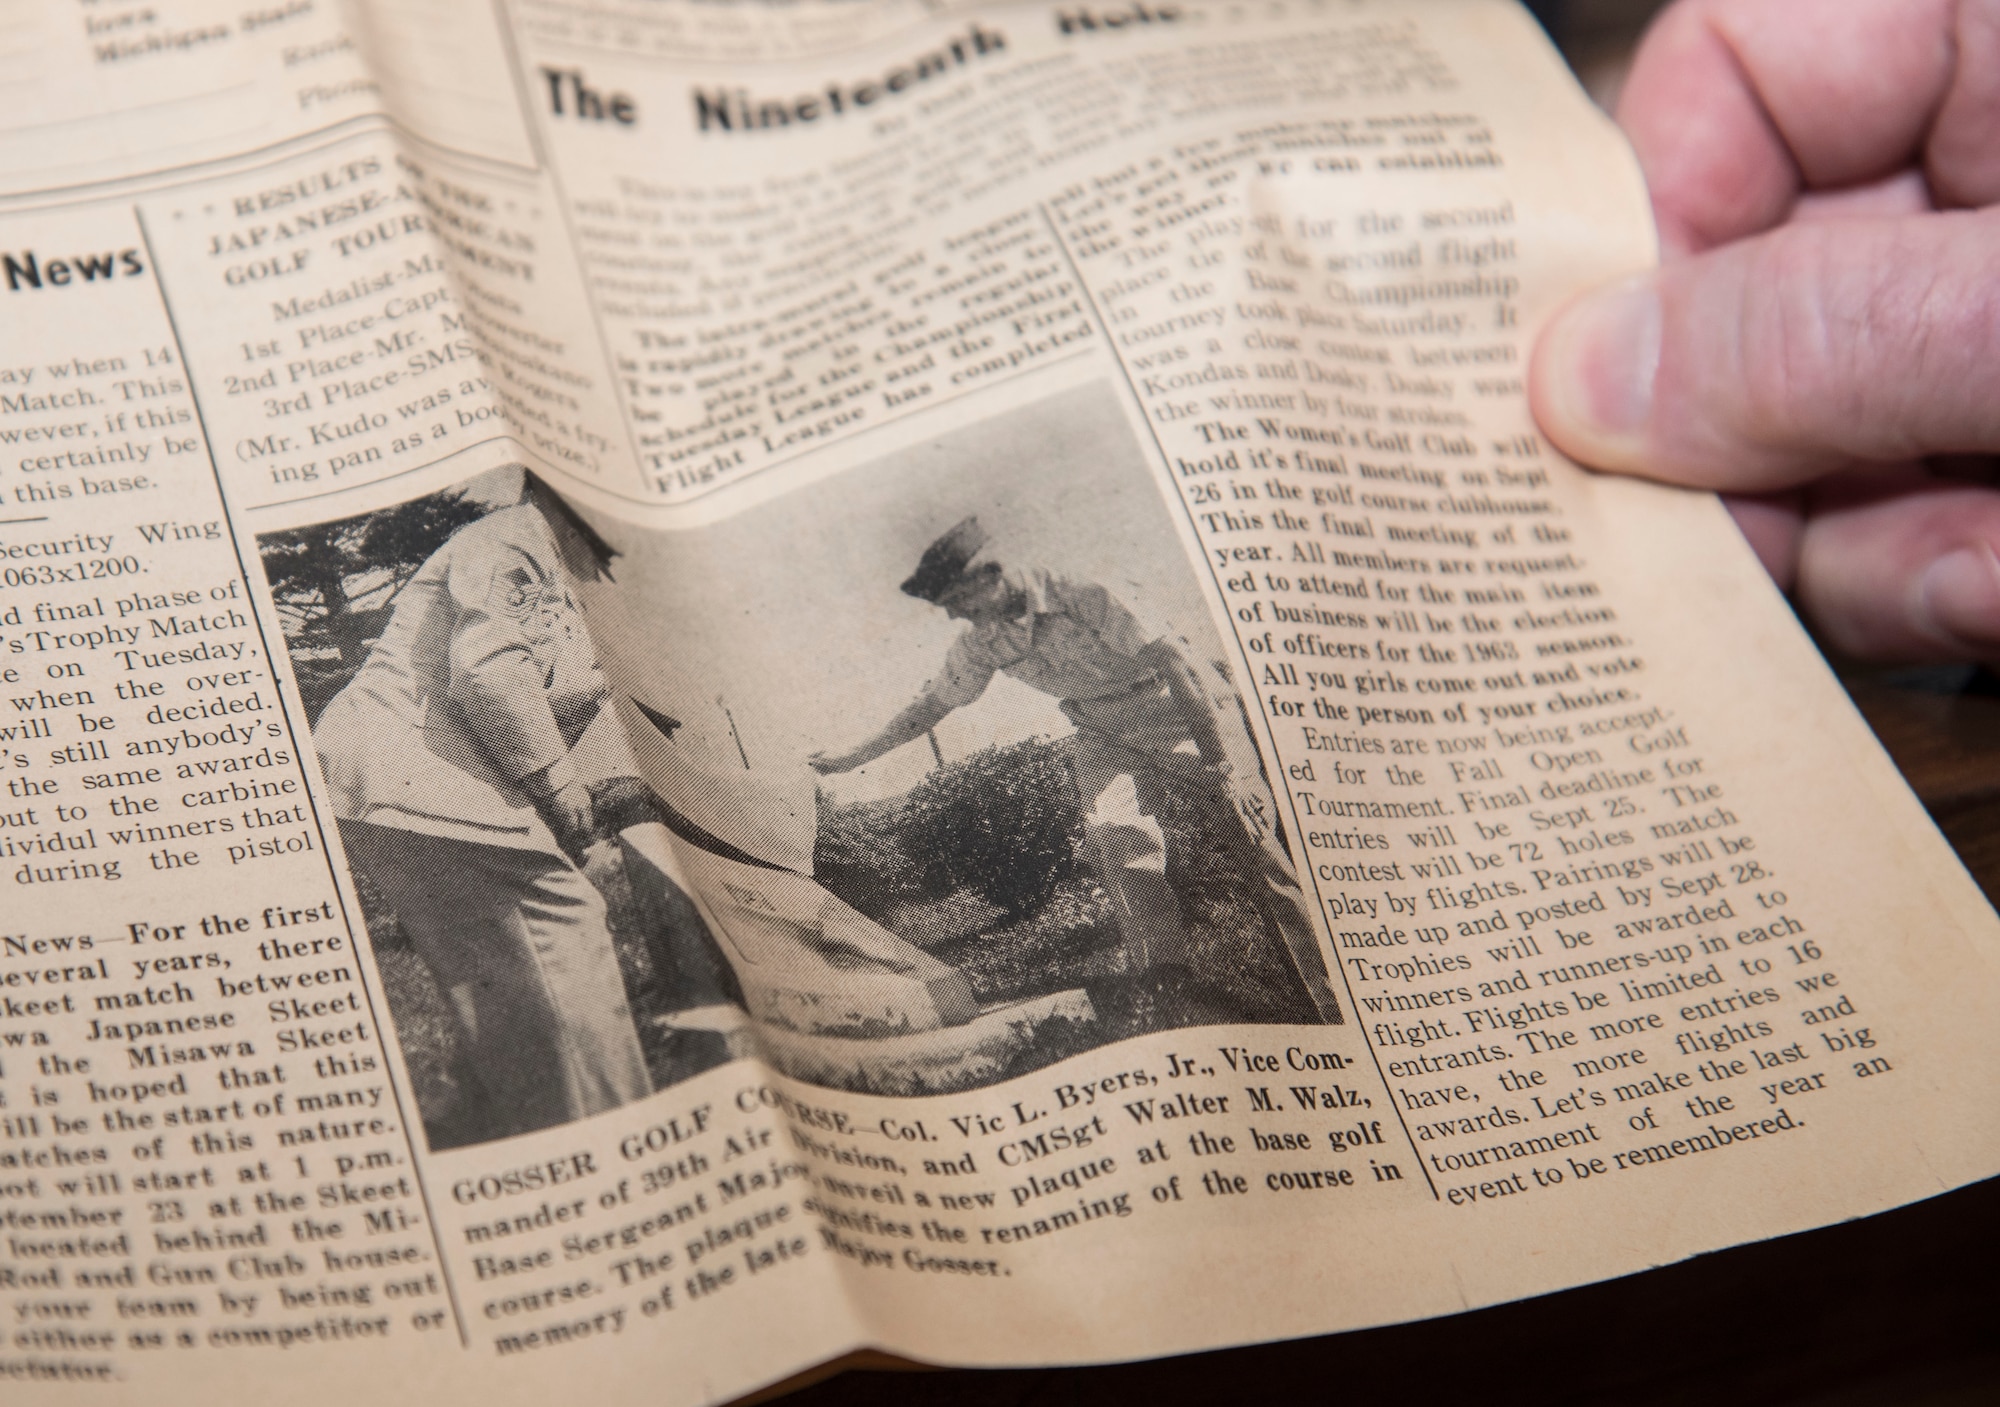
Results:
x,y
826,764
1822,342
570,814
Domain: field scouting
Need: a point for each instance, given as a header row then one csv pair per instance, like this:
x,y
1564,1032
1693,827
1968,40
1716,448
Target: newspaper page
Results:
x,y
688,687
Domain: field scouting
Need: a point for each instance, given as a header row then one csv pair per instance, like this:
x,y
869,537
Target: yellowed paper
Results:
x,y
529,868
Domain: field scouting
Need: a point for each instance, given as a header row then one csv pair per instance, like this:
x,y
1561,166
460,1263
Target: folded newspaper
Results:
x,y
691,687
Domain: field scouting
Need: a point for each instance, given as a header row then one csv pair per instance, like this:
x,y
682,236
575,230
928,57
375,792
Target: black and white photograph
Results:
x,y
478,780
910,780
1033,760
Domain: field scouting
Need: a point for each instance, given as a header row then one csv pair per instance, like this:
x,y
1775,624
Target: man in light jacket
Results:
x,y
1141,718
448,756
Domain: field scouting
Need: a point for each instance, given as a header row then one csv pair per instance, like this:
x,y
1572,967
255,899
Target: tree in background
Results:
x,y
335,583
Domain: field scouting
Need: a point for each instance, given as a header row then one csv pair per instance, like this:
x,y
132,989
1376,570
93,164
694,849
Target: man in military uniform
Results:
x,y
448,756
1140,715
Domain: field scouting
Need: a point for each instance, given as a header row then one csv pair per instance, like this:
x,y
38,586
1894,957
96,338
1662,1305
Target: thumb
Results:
x,y
1764,363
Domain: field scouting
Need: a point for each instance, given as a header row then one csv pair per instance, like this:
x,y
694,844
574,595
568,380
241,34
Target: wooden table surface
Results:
x,y
1898,1310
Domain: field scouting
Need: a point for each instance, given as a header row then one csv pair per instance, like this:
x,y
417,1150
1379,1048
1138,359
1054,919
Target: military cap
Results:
x,y
944,562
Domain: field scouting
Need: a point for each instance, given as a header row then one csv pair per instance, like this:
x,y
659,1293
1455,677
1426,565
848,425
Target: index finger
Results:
x,y
1735,107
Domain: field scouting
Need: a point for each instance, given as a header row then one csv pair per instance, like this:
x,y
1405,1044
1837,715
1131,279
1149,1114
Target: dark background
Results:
x,y
1898,1310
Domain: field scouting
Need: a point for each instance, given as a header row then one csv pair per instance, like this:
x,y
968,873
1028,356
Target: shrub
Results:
x,y
1003,823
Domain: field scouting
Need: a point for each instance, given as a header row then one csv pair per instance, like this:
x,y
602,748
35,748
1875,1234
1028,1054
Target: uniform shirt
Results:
x,y
484,675
1074,642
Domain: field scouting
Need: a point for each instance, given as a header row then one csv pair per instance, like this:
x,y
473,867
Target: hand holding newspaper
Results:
x,y
690,689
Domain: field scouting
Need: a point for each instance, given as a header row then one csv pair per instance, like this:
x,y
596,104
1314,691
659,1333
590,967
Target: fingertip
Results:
x,y
1958,600
1773,525
1591,377
1896,565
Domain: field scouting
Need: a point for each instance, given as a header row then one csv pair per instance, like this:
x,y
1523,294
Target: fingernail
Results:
x,y
1599,361
1959,596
